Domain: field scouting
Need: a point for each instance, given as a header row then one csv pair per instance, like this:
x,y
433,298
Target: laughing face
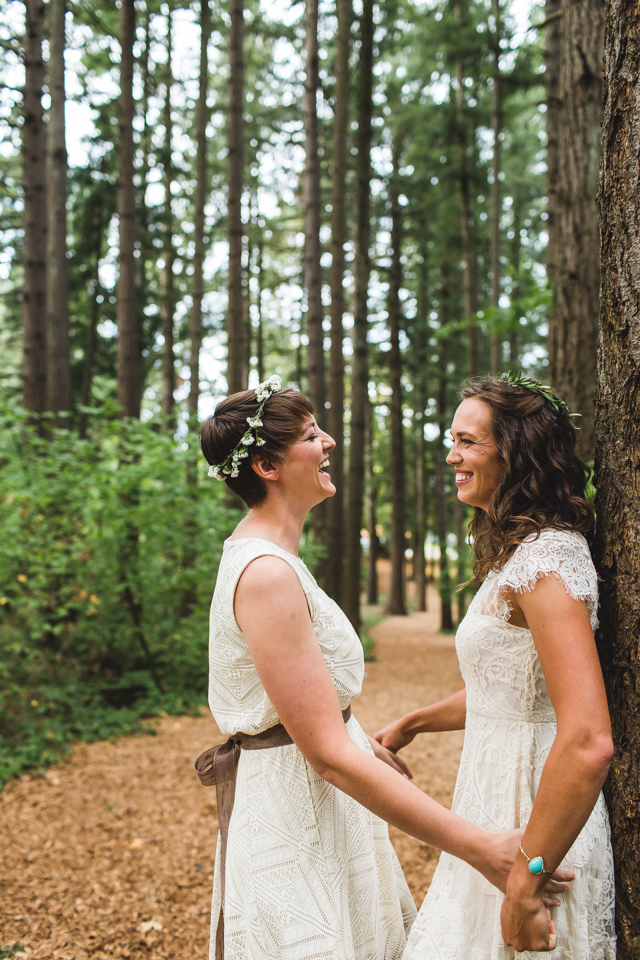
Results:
x,y
305,471
474,455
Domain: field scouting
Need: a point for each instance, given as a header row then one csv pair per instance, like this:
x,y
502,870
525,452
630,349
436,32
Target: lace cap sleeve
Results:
x,y
560,553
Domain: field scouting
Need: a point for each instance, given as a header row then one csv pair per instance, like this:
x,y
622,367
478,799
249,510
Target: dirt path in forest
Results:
x,y
111,853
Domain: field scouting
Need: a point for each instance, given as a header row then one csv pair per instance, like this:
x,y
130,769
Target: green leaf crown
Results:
x,y
533,386
230,466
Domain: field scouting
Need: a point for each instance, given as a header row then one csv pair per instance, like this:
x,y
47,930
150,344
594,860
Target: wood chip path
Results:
x,y
111,853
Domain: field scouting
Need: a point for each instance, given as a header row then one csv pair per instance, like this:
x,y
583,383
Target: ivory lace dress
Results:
x,y
510,727
310,873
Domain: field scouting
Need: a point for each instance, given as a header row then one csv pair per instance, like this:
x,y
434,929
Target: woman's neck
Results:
x,y
273,522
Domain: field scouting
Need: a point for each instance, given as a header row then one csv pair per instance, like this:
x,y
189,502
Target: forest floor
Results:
x,y
110,854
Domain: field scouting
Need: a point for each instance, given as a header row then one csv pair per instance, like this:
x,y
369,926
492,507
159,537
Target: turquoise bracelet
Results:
x,y
536,864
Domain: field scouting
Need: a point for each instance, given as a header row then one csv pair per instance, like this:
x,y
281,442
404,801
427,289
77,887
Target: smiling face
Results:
x,y
304,472
474,455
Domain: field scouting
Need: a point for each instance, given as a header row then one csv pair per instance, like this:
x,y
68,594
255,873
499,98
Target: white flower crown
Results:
x,y
230,466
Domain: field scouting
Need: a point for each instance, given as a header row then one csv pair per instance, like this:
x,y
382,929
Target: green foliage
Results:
x,y
101,542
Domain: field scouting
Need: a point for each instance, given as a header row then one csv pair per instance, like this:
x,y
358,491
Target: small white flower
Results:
x,y
234,473
260,442
247,440
243,454
254,422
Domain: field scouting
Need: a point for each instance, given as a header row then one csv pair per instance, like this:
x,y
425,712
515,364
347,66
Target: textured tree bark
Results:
x,y
442,518
466,217
236,332
129,390
200,198
397,603
573,321
420,349
371,496
167,284
552,55
335,420
618,451
359,362
496,193
34,220
311,202
58,355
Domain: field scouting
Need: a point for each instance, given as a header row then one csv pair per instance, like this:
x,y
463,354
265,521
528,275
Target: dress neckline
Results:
x,y
230,540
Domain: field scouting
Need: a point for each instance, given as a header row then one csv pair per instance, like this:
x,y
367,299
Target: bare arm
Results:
x,y
272,612
578,760
449,714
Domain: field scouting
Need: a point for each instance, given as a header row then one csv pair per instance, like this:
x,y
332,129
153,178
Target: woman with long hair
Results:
x,y
304,866
537,742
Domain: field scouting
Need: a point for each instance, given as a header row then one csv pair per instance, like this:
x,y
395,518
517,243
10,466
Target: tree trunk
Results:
x,y
462,550
200,199
359,363
573,321
496,193
442,518
420,351
97,222
166,280
129,388
618,451
397,604
466,216
34,219
370,510
236,333
311,202
58,360
335,506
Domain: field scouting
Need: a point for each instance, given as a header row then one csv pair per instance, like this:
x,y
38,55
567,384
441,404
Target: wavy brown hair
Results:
x,y
544,480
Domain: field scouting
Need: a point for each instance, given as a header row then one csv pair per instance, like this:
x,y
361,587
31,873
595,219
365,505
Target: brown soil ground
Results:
x,y
111,853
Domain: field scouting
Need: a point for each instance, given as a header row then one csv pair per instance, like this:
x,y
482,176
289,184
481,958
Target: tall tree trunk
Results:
x,y
335,506
200,199
34,218
59,359
129,389
142,212
312,270
260,325
311,201
371,494
466,214
167,282
420,351
236,333
618,451
359,363
442,513
97,218
397,604
573,321
496,193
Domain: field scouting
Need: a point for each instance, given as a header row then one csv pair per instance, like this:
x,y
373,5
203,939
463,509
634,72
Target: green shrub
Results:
x,y
107,564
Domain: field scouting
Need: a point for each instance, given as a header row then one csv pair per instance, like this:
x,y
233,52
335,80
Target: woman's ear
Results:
x,y
265,469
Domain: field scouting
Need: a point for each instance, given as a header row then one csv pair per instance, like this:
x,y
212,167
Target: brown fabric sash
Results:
x,y
219,765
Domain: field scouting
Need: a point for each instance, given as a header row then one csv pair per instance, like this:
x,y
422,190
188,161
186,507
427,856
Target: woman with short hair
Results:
x,y
537,741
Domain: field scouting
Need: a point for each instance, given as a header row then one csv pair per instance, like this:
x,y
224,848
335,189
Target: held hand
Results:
x,y
527,924
499,851
382,753
393,737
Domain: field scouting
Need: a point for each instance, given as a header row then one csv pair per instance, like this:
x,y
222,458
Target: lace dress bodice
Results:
x,y
237,698
510,728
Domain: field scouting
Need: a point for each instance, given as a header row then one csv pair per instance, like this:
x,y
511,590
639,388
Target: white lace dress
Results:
x,y
310,873
510,727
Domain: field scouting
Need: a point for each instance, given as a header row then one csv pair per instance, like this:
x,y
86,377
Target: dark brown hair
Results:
x,y
544,480
282,418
